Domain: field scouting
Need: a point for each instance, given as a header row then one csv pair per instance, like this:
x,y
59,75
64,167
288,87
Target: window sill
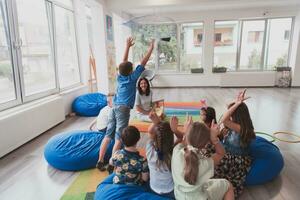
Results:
x,y
26,106
72,89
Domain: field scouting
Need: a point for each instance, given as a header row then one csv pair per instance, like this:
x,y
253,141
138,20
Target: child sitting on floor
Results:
x,y
238,134
130,167
192,171
159,154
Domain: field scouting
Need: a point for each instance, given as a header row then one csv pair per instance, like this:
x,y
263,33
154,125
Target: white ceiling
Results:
x,y
138,7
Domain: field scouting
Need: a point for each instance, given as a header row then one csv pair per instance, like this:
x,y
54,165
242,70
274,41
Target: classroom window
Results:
x,y
35,60
7,79
225,44
191,46
167,47
38,69
67,56
252,44
278,41
143,34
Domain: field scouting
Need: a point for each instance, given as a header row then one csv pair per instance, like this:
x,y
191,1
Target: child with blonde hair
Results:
x,y
192,171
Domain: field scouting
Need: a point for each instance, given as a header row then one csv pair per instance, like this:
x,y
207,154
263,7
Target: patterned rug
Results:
x,y
85,185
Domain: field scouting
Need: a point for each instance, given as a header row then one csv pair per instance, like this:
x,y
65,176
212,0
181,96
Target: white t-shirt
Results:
x,y
161,180
102,119
144,101
205,187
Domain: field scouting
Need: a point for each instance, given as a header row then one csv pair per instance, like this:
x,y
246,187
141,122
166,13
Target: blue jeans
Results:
x,y
117,120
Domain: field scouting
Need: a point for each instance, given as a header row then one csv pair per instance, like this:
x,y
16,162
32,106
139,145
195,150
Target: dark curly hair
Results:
x,y
140,89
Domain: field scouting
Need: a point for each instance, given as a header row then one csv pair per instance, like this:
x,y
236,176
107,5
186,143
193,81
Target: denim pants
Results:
x,y
118,119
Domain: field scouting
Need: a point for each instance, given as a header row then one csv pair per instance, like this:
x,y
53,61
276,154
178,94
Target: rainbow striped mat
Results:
x,y
179,109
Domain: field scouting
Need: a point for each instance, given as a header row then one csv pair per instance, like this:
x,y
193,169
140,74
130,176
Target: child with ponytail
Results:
x,y
159,154
192,171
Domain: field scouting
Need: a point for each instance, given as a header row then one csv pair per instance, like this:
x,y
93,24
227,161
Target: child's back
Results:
x,y
192,171
128,167
126,89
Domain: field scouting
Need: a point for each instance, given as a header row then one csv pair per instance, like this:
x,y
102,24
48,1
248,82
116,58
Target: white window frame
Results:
x,y
17,86
237,45
53,4
18,43
179,43
265,45
14,43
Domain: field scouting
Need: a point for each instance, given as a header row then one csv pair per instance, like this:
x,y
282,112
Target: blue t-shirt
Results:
x,y
232,144
125,94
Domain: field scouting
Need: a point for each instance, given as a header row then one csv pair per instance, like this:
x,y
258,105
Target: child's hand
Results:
x,y
214,131
188,123
151,46
130,42
174,123
241,97
154,118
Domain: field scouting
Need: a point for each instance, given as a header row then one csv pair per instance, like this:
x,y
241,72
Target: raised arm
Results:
x,y
174,127
129,43
155,120
181,134
148,54
226,116
220,151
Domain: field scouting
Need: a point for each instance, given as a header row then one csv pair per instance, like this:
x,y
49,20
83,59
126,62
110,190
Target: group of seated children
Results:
x,y
181,168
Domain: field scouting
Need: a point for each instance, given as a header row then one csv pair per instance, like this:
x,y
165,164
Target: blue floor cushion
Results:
x,y
267,162
76,150
109,191
89,105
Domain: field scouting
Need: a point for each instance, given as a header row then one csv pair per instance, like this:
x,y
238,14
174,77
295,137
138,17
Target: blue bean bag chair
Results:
x,y
76,150
108,190
267,162
89,105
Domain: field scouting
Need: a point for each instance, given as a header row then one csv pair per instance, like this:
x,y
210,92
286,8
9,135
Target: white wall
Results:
x,y
98,22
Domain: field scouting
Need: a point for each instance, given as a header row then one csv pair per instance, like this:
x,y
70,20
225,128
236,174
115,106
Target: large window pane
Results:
x,y
167,47
225,44
252,44
143,35
67,58
37,57
191,46
7,87
278,39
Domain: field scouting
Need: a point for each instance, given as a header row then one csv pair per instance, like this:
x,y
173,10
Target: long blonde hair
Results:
x,y
197,137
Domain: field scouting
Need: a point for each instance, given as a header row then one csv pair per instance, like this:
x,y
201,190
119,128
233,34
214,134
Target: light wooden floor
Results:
x,y
25,175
